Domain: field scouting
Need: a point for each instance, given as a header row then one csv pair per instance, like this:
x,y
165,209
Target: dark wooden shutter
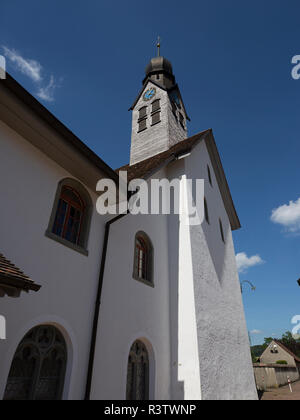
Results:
x,y
156,118
156,105
143,112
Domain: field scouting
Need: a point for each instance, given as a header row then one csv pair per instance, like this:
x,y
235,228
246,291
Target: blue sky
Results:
x,y
85,61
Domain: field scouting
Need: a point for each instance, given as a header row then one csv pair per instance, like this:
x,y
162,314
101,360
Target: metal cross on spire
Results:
x,y
158,46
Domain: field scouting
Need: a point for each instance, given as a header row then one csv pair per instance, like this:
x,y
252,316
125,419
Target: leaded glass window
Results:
x,y
138,372
38,368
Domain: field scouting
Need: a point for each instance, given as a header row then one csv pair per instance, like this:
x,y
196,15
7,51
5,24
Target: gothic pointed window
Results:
x,y
143,259
39,365
138,372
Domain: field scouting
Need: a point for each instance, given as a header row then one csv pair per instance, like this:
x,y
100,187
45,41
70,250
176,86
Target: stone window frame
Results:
x,y
82,246
149,281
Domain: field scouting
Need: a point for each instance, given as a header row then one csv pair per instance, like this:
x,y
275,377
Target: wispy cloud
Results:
x,y
47,93
288,215
256,332
34,70
244,262
30,68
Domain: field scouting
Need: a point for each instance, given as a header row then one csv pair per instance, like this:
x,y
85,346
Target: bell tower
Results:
x,y
159,118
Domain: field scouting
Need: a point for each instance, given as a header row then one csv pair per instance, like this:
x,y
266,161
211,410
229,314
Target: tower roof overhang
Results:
x,y
145,168
159,85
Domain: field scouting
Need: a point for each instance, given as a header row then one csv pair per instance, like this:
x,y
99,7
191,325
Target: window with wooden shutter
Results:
x,y
143,112
156,118
142,125
156,105
142,121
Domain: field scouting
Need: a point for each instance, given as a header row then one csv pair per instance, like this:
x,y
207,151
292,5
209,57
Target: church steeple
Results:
x,y
159,117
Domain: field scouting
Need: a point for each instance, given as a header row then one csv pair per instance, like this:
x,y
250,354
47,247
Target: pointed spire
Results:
x,y
158,46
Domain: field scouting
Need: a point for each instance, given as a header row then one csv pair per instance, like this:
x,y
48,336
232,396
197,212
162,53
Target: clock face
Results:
x,y
149,94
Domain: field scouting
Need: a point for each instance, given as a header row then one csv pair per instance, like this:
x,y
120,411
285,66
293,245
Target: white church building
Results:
x,y
137,307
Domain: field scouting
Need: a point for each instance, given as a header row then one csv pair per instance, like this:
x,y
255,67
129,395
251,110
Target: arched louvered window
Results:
x,y
39,365
143,258
138,372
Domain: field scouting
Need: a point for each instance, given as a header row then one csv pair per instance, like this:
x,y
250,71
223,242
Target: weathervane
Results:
x,y
158,46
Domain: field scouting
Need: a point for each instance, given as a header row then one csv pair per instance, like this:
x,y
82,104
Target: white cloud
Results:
x,y
288,215
33,69
47,93
256,332
30,68
244,262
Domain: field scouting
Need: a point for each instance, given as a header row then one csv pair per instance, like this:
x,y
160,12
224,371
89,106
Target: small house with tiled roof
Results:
x,y
276,351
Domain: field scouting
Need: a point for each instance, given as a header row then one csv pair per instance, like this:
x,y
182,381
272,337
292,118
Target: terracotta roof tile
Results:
x,y
12,276
279,343
144,168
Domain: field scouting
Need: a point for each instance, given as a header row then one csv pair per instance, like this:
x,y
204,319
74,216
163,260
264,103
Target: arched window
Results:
x,y
39,365
206,211
143,259
71,215
138,372
222,231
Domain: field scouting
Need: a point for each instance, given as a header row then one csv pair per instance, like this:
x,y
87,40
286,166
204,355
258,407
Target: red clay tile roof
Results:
x,y
287,350
146,168
12,277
